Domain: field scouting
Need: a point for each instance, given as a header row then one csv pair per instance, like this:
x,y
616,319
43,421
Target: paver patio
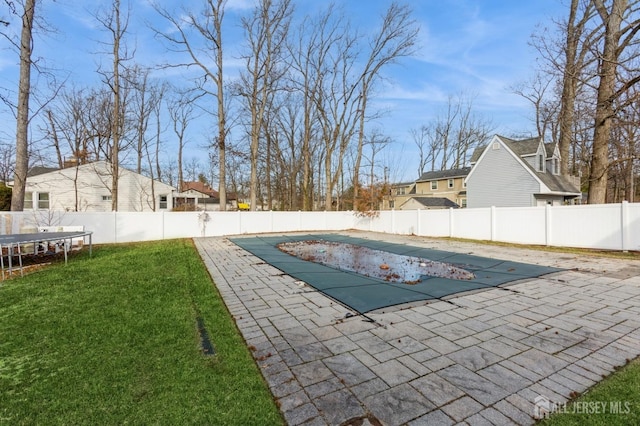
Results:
x,y
477,358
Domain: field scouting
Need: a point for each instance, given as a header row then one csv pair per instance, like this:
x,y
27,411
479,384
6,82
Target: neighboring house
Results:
x,y
519,173
398,195
87,187
200,196
443,184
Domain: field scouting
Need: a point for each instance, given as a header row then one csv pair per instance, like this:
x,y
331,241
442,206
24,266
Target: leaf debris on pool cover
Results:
x,y
387,266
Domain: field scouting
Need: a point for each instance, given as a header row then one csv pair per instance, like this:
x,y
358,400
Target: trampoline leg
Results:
x,y
20,260
2,261
10,257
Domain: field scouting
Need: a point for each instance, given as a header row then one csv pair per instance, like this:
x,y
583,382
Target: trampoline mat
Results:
x,y
364,294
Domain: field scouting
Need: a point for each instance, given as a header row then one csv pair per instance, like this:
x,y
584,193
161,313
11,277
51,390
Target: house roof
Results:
x,y
38,170
434,202
399,184
200,187
522,147
477,153
444,174
557,183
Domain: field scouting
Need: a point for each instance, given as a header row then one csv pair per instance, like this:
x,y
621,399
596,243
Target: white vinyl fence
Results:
x,y
602,226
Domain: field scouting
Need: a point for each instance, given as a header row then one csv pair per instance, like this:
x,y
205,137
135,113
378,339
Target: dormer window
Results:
x,y
556,166
540,163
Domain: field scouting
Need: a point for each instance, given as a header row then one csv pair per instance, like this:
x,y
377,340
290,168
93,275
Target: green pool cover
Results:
x,y
364,294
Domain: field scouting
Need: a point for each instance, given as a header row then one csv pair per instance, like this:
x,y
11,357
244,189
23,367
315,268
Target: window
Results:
x,y
28,200
463,203
163,201
464,183
400,191
434,184
540,163
556,168
392,204
450,183
43,200
106,198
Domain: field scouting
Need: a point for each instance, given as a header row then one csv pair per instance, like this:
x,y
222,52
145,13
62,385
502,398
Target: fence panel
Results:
x,y
139,226
405,222
586,226
474,224
434,223
520,225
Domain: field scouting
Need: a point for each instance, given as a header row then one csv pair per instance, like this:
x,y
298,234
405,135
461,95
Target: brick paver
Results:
x,y
475,358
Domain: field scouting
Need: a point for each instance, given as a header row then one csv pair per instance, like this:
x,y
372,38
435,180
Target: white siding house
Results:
x,y
523,173
87,187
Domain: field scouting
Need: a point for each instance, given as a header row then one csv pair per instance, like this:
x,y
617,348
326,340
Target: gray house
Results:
x,y
519,173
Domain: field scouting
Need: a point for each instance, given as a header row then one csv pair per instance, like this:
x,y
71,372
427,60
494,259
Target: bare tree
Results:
x,y
22,118
536,91
427,152
617,39
306,78
576,59
145,95
266,31
181,112
452,136
199,38
395,39
376,142
115,25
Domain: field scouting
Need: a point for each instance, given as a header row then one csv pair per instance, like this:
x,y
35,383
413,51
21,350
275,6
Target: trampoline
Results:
x,y
12,245
365,294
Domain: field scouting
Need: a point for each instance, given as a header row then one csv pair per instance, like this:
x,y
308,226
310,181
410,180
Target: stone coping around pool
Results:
x,y
365,294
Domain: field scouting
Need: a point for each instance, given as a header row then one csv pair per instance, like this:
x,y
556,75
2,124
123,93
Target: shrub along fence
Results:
x,y
601,226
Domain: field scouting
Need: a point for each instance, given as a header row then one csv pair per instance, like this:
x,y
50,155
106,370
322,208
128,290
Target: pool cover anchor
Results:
x,y
366,318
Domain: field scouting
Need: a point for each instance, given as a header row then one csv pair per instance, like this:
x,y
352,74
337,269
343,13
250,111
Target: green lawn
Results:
x,y
613,402
112,339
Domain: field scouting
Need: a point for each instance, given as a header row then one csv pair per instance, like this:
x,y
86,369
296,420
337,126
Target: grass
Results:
x,y
112,339
597,407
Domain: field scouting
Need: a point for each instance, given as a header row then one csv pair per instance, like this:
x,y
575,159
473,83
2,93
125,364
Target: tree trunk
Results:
x,y
606,94
24,92
116,119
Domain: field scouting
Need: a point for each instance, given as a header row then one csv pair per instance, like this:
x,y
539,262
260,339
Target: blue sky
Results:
x,y
476,47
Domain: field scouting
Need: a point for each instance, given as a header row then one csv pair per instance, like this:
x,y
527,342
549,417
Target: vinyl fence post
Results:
x,y
624,225
450,222
115,226
393,220
547,225
492,223
271,220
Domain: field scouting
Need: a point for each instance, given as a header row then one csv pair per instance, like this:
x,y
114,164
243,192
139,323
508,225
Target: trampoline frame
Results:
x,y
13,244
